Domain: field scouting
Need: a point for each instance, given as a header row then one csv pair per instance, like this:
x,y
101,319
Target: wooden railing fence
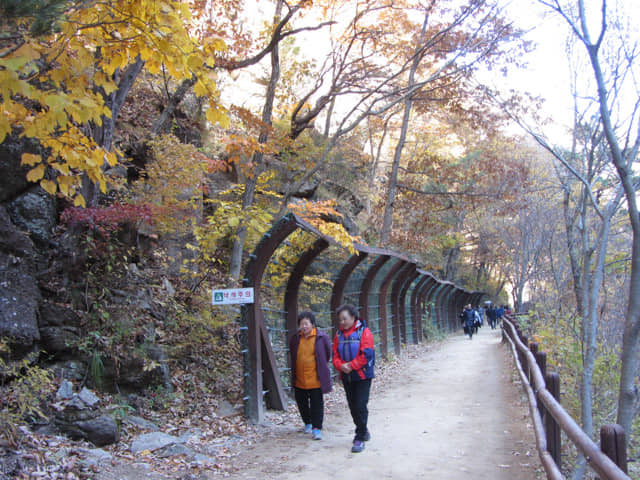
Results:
x,y
549,418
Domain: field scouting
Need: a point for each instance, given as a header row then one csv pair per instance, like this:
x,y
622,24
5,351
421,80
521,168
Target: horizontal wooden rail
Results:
x,y
602,464
550,467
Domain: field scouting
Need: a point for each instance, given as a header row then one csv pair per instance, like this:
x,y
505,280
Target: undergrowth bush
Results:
x,y
23,388
205,350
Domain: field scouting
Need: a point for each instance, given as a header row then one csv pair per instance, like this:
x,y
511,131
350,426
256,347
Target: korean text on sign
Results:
x,y
231,296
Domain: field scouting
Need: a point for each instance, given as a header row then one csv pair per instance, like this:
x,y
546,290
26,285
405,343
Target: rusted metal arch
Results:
x,y
261,369
338,286
440,299
343,277
450,307
366,284
475,297
261,366
403,307
295,279
446,305
433,299
407,311
424,299
397,306
416,310
458,299
426,296
382,305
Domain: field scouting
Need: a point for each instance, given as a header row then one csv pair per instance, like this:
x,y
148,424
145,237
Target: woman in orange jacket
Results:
x,y
310,351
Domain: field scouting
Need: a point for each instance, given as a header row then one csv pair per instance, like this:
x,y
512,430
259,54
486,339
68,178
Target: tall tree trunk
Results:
x,y
250,185
103,134
162,123
586,381
629,369
387,221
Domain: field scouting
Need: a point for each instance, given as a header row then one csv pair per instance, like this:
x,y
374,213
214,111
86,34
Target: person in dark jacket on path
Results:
x,y
499,314
492,315
354,359
310,351
467,317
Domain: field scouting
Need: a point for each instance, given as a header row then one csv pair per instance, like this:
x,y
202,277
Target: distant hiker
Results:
x,y
481,312
310,351
499,314
354,359
477,320
492,315
466,317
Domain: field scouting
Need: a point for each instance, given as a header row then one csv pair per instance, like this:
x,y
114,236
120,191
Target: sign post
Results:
x,y
230,296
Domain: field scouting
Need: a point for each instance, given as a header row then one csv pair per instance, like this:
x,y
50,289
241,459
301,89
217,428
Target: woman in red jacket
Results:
x,y
354,358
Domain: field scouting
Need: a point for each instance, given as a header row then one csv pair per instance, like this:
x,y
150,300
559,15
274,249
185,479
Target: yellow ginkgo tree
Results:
x,y
65,87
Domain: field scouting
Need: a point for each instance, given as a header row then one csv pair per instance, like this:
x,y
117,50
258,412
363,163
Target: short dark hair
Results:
x,y
349,308
309,315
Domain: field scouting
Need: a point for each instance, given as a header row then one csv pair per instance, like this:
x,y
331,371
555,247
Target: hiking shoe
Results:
x,y
308,428
358,446
366,438
316,434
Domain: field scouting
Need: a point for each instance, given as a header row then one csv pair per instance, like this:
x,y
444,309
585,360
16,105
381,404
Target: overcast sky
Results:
x,y
549,72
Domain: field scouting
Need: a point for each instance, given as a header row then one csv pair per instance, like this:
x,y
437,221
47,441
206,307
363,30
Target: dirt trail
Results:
x,y
453,413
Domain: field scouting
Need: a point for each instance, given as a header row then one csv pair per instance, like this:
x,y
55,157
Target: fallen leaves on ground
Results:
x,y
220,439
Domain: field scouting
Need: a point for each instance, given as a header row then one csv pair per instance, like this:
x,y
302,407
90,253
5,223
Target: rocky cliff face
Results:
x,y
39,315
20,297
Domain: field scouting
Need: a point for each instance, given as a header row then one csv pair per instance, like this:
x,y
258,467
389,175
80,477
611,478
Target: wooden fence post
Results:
x,y
541,360
554,441
533,347
613,444
524,360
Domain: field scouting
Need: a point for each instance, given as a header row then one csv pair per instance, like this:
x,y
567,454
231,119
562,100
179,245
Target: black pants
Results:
x,y
311,406
358,398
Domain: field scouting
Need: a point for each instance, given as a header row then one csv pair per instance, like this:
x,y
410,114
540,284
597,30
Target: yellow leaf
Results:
x,y
194,62
79,201
14,64
5,129
112,159
36,174
216,116
66,185
30,159
27,51
200,89
56,102
49,186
